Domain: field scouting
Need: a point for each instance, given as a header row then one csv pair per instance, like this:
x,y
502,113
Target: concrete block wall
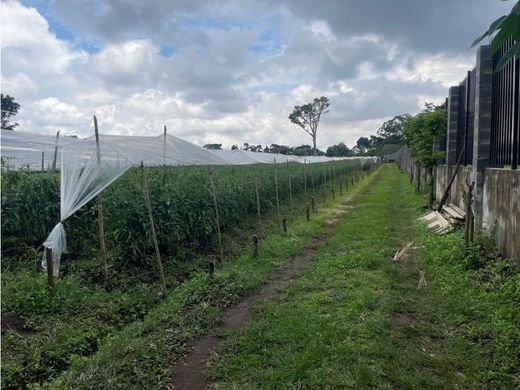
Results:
x,y
501,209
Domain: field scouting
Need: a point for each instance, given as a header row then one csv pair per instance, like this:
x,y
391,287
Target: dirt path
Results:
x,y
188,373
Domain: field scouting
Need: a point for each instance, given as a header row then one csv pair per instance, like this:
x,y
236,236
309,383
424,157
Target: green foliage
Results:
x,y
388,140
500,31
339,150
422,131
9,108
308,116
182,202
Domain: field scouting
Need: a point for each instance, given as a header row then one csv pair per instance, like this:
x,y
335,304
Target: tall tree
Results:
x,y
308,117
9,108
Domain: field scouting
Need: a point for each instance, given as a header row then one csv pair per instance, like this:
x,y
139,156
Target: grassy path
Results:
x,y
355,319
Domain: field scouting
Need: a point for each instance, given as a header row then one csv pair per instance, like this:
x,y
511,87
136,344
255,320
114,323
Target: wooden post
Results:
x,y
164,156
55,152
333,194
217,216
290,184
276,193
255,246
340,188
468,200
258,201
43,161
284,222
50,268
304,178
312,204
312,177
101,225
152,226
308,211
211,269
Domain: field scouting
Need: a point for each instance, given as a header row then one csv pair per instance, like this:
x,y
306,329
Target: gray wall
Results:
x,y
501,209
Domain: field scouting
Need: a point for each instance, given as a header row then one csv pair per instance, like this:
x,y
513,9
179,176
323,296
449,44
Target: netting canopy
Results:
x,y
88,166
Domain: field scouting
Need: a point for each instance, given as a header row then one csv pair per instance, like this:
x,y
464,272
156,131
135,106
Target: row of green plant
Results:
x,y
182,205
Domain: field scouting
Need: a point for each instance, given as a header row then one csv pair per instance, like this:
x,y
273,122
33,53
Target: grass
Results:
x,y
355,319
140,354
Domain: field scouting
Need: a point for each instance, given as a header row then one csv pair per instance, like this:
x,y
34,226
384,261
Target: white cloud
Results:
x,y
27,44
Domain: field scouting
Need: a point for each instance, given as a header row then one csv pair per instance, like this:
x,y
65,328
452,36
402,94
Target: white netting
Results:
x,y
87,167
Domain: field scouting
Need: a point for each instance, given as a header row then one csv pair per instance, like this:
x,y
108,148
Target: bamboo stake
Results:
x,y
258,201
304,178
55,152
164,156
101,225
217,216
50,268
290,185
312,176
152,226
276,192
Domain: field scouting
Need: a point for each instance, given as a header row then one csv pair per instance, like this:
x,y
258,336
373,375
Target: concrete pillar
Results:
x,y
451,137
482,125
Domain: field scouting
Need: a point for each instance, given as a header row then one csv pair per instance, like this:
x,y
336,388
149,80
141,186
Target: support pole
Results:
x,y
258,201
164,156
152,226
468,200
284,223
217,216
290,184
50,269
308,211
304,178
101,225
276,192
55,152
43,161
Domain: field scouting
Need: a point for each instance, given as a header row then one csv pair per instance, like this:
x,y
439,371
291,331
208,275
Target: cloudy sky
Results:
x,y
231,71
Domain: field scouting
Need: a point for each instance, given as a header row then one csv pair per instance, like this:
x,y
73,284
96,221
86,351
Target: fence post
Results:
x,y
451,136
482,124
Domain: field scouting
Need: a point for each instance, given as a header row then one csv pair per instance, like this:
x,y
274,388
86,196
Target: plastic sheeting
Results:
x,y
88,167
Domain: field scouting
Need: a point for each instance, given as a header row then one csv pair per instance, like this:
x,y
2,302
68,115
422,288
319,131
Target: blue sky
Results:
x,y
231,71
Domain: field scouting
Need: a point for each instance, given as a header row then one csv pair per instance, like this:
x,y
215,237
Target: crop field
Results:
x,y
50,331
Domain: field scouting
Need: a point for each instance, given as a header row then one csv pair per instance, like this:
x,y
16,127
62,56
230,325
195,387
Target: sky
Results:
x,y
231,71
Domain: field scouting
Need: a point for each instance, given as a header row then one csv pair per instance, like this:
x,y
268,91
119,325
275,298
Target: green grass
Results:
x,y
141,354
355,319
